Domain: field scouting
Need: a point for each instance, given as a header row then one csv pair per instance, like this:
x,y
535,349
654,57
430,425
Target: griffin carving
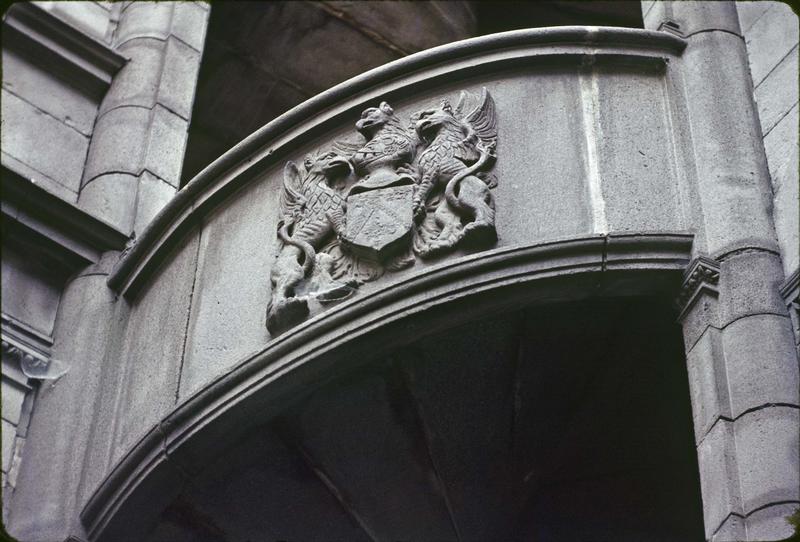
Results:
x,y
300,271
361,209
456,147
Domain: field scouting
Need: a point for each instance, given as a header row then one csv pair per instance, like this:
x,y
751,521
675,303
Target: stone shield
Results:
x,y
379,221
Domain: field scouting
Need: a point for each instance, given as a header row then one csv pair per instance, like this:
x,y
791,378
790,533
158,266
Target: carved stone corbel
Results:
x,y
701,277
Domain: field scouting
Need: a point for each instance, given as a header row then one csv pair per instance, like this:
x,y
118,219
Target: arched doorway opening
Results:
x,y
553,422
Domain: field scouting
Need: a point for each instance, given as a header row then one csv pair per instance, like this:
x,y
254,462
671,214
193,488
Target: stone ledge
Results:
x,y
60,47
80,237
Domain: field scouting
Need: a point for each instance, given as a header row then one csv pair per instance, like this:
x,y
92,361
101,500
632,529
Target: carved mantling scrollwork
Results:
x,y
420,188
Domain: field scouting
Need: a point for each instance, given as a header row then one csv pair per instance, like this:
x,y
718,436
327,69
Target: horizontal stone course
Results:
x,y
768,456
760,363
749,283
50,94
25,128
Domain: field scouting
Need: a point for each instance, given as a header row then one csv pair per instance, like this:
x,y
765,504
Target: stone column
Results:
x,y
45,504
742,364
135,157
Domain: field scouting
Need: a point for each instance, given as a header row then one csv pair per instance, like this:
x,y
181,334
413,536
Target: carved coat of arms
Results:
x,y
352,213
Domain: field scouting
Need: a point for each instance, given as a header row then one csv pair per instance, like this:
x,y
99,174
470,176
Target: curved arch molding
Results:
x,y
590,201
206,424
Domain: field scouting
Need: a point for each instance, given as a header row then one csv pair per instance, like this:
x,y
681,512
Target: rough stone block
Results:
x,y
733,186
707,382
25,128
153,195
545,200
770,38
694,17
48,93
749,283
636,167
768,456
152,367
111,197
702,315
761,362
733,530
13,395
9,434
179,76
119,142
777,93
719,480
770,523
166,145
229,308
782,155
29,293
138,81
750,12
144,20
189,24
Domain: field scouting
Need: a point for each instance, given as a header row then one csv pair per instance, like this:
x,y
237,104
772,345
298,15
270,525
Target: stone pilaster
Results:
x,y
135,157
45,503
741,356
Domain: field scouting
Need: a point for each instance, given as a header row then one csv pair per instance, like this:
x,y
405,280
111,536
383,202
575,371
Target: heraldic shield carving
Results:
x,y
419,188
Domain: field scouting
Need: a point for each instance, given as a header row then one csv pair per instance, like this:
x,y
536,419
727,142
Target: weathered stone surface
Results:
x,y
45,504
9,432
760,363
750,12
152,367
109,197
771,523
636,164
768,456
144,20
229,307
153,193
781,147
12,395
732,174
548,198
24,129
719,479
770,39
30,292
48,93
137,83
189,24
777,93
733,530
165,145
694,17
707,382
750,283
119,142
179,75
90,17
